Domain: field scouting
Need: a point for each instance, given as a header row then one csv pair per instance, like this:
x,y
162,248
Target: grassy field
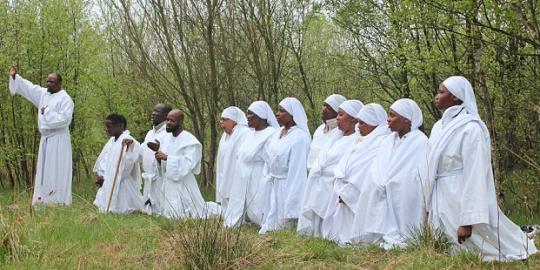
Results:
x,y
77,237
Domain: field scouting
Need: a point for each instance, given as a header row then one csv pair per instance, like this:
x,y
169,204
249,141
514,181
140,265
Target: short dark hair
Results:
x,y
116,119
58,76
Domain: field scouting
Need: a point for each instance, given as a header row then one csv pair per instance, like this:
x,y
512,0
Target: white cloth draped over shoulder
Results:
x,y
325,131
320,182
152,179
54,164
126,196
392,198
463,185
180,194
350,173
227,152
286,158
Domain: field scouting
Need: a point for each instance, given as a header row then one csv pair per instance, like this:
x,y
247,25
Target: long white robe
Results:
x,y
320,139
392,199
349,175
318,194
180,194
464,191
126,196
54,165
226,163
248,186
285,158
151,175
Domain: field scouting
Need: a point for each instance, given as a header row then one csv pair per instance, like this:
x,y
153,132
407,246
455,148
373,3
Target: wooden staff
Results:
x,y
116,175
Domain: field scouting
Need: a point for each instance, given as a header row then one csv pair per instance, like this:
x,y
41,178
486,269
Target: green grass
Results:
x,y
77,237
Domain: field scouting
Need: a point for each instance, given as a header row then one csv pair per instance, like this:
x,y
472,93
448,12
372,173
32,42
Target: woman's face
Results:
x,y
227,125
398,123
364,128
445,99
283,117
254,120
345,121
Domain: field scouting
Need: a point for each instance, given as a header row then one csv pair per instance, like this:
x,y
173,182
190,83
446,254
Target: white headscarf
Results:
x,y
334,101
461,88
409,109
351,107
373,114
263,110
296,110
235,114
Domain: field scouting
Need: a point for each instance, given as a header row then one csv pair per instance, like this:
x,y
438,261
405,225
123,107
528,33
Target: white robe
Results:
x,y
126,196
320,139
392,199
226,163
287,176
151,175
464,191
349,175
248,186
54,164
180,194
320,184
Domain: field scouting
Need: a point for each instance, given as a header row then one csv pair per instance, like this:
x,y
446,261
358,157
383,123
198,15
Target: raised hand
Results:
x,y
13,71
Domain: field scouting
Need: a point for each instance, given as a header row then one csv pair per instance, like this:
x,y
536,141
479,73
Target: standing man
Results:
x,y
152,179
55,111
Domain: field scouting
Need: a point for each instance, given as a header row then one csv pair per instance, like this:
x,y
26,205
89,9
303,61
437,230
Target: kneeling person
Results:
x,y
117,169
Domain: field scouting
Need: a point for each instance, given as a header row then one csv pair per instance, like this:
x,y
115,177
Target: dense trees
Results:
x,y
202,56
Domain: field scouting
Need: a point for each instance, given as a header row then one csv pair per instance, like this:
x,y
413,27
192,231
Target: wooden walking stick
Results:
x,y
116,176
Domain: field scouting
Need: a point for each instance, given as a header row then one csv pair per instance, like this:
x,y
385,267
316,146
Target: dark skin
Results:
x,y
158,114
327,112
175,125
345,122
284,119
443,101
364,128
255,122
398,123
114,130
54,85
227,125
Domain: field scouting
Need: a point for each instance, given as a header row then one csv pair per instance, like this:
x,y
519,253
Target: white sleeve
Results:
x,y
180,166
26,89
58,119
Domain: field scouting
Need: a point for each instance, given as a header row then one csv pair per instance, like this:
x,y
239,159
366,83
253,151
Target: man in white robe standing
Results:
x,y
52,184
117,169
320,182
327,129
152,179
464,203
234,124
179,157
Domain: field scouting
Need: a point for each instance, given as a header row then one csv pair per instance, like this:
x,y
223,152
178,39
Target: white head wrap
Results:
x,y
235,114
461,88
334,101
351,107
263,110
373,114
296,110
409,109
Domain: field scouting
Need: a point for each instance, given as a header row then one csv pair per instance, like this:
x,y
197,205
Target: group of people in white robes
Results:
x,y
368,177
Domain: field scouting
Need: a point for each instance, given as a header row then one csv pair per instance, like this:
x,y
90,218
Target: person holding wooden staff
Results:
x,y
118,171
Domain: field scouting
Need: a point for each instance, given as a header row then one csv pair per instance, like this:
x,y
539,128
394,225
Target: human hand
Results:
x,y
13,71
160,156
463,233
154,146
99,181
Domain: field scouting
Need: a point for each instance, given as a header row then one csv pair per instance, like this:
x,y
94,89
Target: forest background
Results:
x,y
203,56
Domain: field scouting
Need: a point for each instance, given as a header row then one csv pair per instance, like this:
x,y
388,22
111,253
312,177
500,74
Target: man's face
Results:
x,y
327,112
173,123
53,85
113,130
397,122
158,115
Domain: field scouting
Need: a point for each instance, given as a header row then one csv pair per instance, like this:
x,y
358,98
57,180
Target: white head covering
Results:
x,y
263,110
351,107
461,88
235,114
409,109
296,110
334,101
373,114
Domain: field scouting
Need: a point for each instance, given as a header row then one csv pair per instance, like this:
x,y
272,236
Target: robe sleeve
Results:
x,y
179,166
99,166
131,157
474,206
26,89
296,178
348,192
58,119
